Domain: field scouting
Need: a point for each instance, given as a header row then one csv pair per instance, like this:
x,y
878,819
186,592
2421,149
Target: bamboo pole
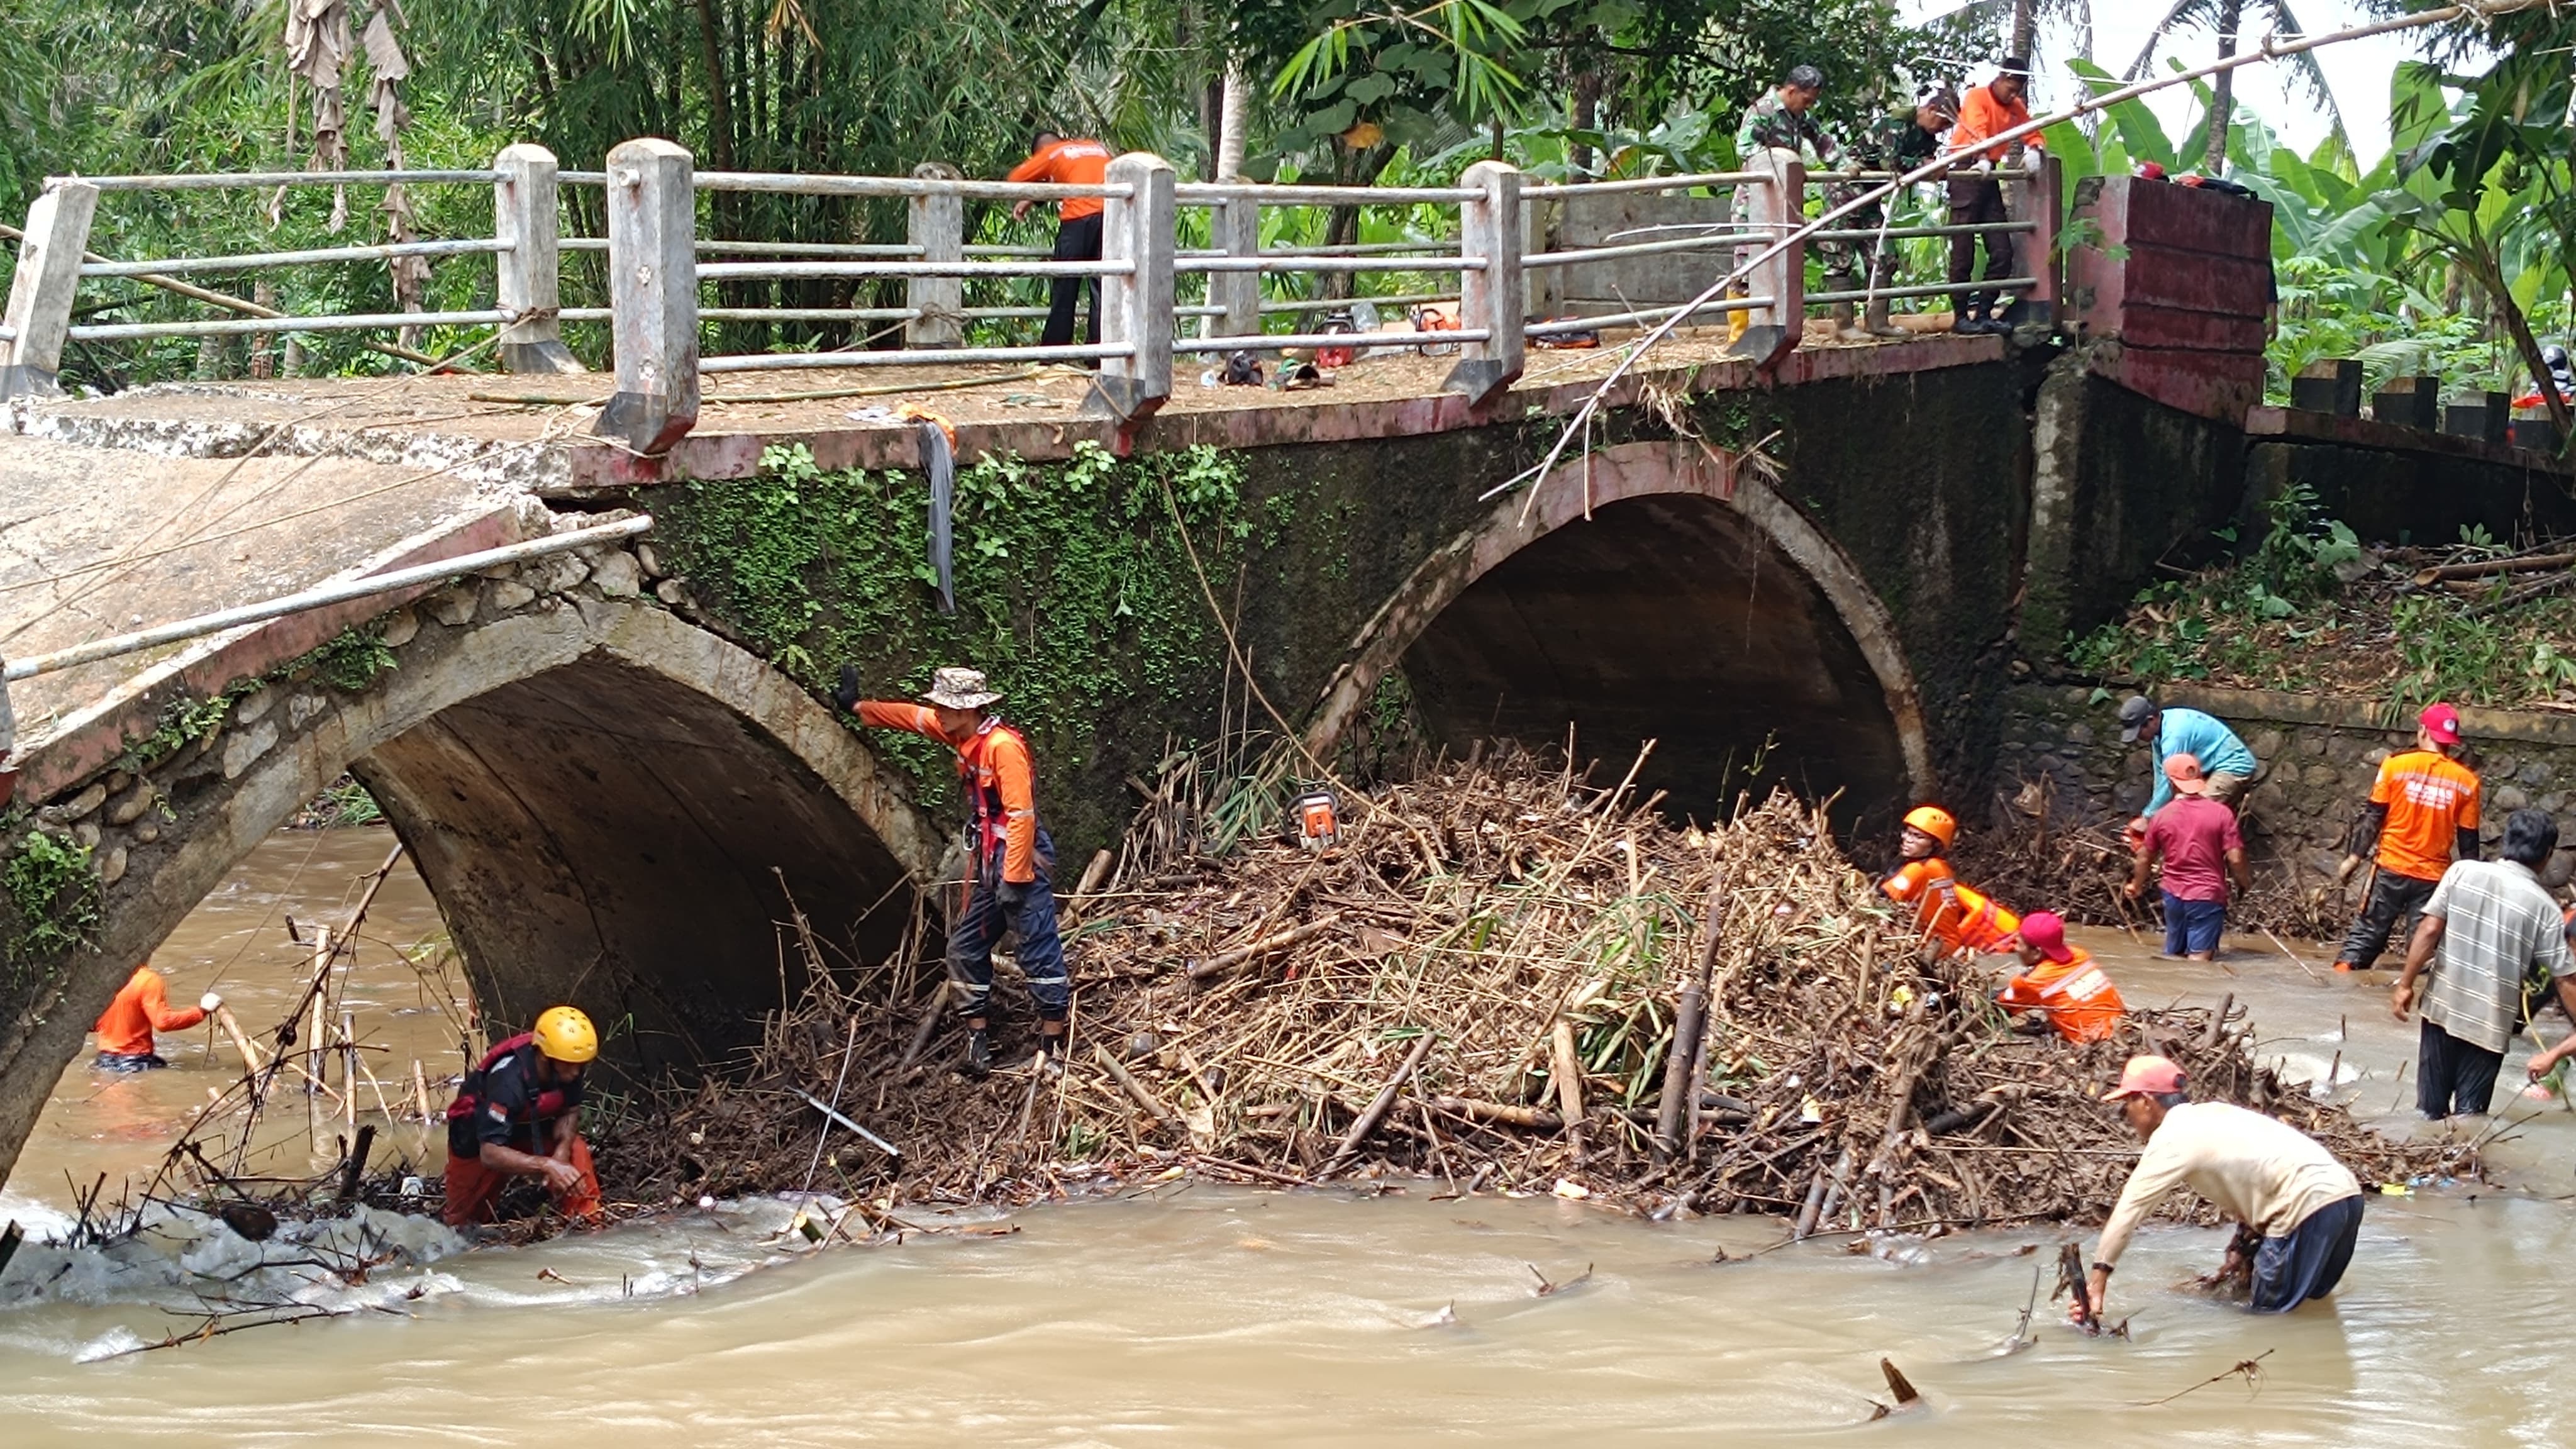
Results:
x,y
1386,1095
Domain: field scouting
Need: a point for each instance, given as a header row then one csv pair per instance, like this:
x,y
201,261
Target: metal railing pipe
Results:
x,y
1642,249
238,326
791,184
1273,341
323,596
1898,233
1928,289
1449,263
245,180
910,356
782,270
1542,190
1563,326
1203,193
253,261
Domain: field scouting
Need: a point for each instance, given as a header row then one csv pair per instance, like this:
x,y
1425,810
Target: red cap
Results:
x,y
2184,772
2146,1077
2045,932
2441,722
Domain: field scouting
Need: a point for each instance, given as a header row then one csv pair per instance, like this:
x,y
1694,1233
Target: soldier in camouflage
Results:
x,y
1778,121
1897,142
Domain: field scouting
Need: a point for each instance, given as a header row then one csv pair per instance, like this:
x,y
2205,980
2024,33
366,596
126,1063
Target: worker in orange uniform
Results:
x,y
2423,810
1068,161
142,1007
1975,196
1009,884
2061,984
518,1114
1959,918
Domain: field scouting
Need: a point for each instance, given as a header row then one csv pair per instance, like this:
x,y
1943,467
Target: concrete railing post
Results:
x,y
527,223
2035,252
1136,305
40,295
1237,224
653,295
937,225
1778,207
1491,297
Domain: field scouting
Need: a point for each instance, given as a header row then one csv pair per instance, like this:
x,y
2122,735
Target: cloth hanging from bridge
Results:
x,y
939,461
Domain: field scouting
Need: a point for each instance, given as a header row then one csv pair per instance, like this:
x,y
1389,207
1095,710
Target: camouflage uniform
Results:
x,y
1769,125
1895,145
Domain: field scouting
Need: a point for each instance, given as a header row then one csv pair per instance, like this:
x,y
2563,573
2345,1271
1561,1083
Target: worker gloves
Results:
x,y
210,1002
846,693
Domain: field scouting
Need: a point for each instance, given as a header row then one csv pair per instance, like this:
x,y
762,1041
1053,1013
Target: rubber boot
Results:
x,y
1971,318
979,1052
1878,323
1846,323
1736,322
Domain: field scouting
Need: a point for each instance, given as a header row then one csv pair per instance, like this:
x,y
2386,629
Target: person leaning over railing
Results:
x,y
1068,161
1898,141
1976,199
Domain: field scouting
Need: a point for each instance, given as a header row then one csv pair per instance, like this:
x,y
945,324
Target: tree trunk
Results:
x,y
2222,91
2024,30
2489,272
1587,116
1359,168
1237,100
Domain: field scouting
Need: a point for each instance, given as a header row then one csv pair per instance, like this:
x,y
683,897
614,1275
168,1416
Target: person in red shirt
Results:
x,y
1068,161
1009,884
2202,849
1975,196
142,1007
2062,986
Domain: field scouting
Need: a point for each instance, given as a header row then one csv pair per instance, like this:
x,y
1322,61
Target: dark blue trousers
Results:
x,y
972,934
2309,1260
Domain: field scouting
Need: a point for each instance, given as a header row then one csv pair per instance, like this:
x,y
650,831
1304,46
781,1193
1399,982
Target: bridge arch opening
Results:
x,y
1693,606
611,807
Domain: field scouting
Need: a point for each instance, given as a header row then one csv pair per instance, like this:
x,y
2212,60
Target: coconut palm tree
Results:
x,y
2227,18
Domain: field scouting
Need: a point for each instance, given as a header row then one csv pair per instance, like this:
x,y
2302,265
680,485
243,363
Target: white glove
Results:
x,y
209,1002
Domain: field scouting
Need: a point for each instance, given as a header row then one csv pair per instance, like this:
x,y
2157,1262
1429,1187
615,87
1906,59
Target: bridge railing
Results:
x,y
1487,257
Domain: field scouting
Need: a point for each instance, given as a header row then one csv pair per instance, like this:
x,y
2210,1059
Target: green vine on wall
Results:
x,y
55,893
348,661
1073,590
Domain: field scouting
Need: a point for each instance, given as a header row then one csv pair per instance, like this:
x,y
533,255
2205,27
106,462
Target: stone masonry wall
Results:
x,y
2318,757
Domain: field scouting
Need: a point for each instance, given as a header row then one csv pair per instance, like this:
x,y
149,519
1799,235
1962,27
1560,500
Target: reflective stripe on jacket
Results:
x,y
1957,916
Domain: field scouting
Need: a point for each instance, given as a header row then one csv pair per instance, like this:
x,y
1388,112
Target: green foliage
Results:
x,y
55,893
1074,590
2193,628
183,722
349,662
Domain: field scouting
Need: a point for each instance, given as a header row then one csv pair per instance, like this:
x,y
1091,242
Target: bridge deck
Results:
x,y
533,432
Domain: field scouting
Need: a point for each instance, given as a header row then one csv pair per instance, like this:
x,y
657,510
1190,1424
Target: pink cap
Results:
x,y
2045,932
2146,1077
2441,722
2184,771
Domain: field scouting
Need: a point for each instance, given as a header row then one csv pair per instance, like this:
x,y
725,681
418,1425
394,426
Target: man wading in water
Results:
x,y
1008,883
2297,1210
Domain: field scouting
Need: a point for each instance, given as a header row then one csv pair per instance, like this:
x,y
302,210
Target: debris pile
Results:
x,y
1494,979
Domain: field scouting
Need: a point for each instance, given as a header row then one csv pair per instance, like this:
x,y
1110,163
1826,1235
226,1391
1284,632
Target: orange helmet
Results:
x,y
1934,821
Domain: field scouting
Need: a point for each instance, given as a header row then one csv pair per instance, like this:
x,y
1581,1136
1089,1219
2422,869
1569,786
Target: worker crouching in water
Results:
x,y
1008,884
518,1114
1944,910
142,1007
2297,1210
2061,988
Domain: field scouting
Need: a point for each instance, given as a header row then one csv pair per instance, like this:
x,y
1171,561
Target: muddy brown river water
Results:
x,y
1182,1315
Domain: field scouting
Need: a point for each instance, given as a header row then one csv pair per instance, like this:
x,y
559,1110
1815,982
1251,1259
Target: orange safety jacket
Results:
x,y
1981,115
141,1008
1958,917
2080,1001
1068,161
993,764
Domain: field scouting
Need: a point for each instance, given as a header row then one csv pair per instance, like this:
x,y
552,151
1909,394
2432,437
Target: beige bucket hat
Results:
x,y
961,689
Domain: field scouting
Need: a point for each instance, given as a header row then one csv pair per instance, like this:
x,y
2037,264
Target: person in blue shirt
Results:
x,y
2224,761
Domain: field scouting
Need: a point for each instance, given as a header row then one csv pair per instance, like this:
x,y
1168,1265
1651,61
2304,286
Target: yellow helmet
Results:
x,y
1934,821
566,1035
